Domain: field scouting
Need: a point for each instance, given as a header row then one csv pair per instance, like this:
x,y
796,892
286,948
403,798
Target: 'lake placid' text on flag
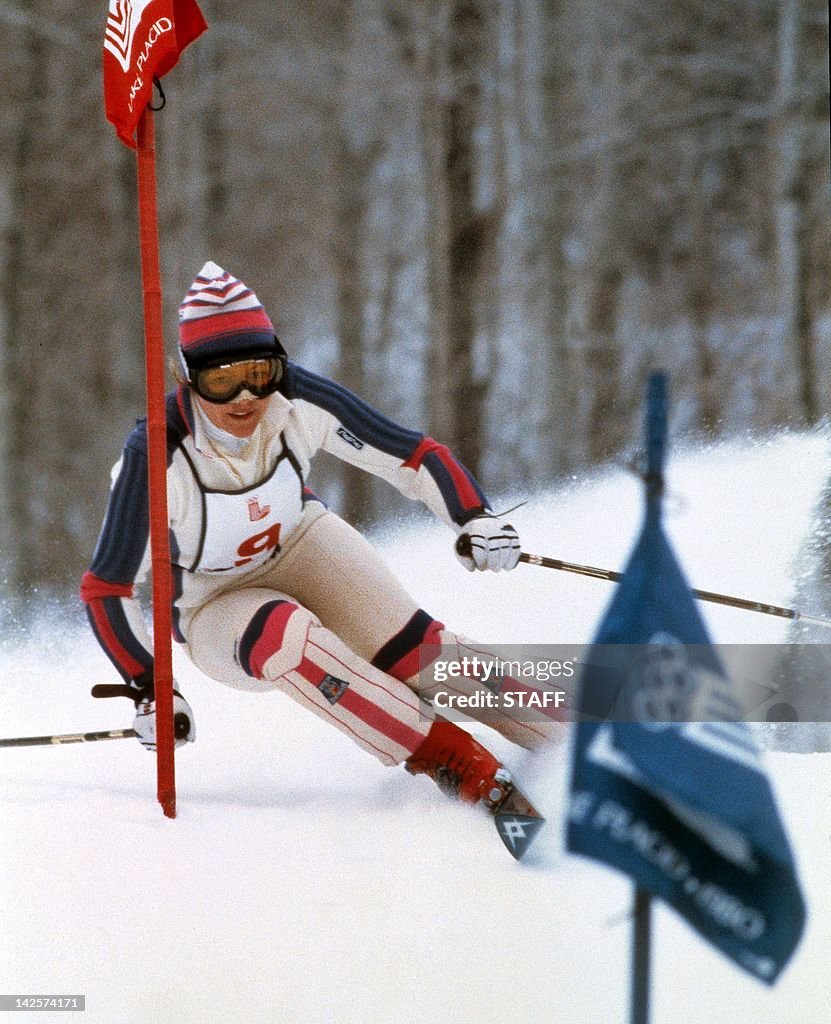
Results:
x,y
143,39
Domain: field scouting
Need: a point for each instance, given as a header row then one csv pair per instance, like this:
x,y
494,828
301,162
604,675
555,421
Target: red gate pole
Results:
x,y
157,461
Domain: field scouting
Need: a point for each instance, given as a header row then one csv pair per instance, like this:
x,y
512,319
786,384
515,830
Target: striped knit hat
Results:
x,y
221,316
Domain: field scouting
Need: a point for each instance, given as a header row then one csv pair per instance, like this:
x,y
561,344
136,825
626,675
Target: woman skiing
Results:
x,y
271,589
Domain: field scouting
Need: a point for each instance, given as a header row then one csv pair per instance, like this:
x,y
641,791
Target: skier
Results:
x,y
271,589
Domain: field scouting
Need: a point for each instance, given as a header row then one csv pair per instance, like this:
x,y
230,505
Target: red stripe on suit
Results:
x,y
467,493
111,642
363,708
271,639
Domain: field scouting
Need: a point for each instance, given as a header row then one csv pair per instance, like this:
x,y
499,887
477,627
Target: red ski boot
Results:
x,y
460,766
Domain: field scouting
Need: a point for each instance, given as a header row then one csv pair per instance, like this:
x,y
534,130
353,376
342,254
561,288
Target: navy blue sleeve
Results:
x,y
460,492
123,538
356,415
108,583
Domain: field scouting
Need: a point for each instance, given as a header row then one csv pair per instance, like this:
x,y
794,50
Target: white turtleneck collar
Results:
x,y
224,444
221,439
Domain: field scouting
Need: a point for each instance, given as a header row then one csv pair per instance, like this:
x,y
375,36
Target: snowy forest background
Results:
x,y
491,218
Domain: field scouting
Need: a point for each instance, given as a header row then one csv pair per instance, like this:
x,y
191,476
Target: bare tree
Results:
x,y
20,543
432,27
789,212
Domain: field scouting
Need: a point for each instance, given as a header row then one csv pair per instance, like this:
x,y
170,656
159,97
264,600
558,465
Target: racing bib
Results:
x,y
243,529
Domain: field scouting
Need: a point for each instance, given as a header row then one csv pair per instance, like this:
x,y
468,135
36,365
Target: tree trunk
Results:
x,y
351,213
433,18
791,257
467,230
20,539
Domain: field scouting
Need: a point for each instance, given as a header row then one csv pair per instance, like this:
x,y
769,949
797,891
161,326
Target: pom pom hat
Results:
x,y
220,317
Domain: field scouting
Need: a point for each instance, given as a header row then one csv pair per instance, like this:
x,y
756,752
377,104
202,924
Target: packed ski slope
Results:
x,y
303,883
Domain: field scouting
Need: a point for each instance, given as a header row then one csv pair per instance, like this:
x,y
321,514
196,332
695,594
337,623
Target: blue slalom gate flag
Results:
x,y
668,785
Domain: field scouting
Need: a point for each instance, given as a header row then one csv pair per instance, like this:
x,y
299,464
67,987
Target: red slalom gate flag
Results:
x,y
143,40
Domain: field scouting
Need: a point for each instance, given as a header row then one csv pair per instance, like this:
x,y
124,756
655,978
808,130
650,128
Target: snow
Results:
x,y
302,882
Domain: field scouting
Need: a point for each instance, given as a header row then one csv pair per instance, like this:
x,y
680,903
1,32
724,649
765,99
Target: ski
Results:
x,y
517,822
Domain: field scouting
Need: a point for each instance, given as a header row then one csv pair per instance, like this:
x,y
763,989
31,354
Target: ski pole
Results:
x,y
68,737
701,595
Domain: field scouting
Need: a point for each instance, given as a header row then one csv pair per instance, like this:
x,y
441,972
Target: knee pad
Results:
x,y
273,641
412,648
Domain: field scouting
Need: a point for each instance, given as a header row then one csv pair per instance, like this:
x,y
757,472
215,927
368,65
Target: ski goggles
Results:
x,y
223,382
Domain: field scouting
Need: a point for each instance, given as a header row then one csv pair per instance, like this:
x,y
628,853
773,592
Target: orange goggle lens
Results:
x,y
224,381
